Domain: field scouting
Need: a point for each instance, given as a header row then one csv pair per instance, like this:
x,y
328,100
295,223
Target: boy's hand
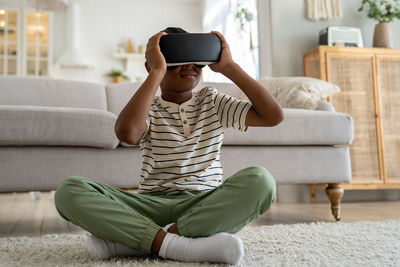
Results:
x,y
155,59
225,61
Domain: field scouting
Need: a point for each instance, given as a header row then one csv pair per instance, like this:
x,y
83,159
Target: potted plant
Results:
x,y
117,75
383,11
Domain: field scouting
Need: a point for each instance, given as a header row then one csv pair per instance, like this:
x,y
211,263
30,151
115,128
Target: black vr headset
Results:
x,y
190,48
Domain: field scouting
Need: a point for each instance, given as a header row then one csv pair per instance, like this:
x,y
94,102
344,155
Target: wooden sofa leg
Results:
x,y
335,193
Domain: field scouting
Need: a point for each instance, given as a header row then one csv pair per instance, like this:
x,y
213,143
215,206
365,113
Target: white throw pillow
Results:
x,y
299,92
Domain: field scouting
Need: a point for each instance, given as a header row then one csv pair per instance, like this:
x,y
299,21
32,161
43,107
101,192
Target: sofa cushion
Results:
x,y
300,127
53,126
289,92
27,91
224,88
292,164
119,94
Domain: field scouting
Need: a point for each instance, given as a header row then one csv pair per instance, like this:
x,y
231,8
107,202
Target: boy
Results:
x,y
180,136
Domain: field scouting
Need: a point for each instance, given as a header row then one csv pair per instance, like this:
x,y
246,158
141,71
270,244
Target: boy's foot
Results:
x,y
221,247
100,249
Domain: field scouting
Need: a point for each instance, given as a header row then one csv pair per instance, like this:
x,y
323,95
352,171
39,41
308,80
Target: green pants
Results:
x,y
134,219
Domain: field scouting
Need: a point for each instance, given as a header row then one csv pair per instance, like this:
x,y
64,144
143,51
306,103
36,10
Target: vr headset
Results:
x,y
190,48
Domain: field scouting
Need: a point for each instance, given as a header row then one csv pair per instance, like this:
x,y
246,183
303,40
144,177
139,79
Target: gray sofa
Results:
x,y
52,129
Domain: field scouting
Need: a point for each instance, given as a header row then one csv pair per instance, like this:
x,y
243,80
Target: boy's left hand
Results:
x,y
225,60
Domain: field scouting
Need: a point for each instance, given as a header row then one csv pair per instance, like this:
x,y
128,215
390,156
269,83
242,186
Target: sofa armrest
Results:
x,y
56,126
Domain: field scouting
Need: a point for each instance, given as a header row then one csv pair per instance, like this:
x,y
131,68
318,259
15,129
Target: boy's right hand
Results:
x,y
155,59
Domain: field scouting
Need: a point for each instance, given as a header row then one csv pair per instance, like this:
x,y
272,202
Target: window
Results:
x,y
9,42
237,21
37,44
25,43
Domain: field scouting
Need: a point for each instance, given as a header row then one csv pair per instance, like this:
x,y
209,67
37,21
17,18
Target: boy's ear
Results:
x,y
146,65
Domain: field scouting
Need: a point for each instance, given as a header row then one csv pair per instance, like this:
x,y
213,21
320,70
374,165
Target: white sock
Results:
x,y
100,249
165,228
221,247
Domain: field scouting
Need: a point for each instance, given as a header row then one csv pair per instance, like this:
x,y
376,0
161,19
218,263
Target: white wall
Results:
x,y
293,34
221,16
106,23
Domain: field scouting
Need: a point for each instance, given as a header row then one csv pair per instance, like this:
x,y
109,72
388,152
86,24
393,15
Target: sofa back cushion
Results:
x,y
27,91
118,95
56,126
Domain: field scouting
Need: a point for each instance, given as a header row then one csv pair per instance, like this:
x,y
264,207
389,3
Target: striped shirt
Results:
x,y
181,147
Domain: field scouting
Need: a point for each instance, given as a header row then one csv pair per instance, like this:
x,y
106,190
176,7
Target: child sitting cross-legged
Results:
x,y
183,211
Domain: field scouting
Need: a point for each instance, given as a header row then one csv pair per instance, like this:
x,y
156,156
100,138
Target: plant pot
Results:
x,y
118,79
382,35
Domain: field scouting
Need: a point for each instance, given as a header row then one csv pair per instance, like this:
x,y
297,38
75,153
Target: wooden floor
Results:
x,y
19,215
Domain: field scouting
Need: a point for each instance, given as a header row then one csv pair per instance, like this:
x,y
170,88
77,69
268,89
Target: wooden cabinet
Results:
x,y
370,82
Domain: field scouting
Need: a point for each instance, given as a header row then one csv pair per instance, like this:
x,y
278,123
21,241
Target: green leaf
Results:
x,y
115,73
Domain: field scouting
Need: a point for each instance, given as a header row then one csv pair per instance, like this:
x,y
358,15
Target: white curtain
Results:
x,y
221,16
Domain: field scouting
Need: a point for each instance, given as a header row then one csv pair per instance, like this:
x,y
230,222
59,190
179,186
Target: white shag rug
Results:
x,y
315,244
